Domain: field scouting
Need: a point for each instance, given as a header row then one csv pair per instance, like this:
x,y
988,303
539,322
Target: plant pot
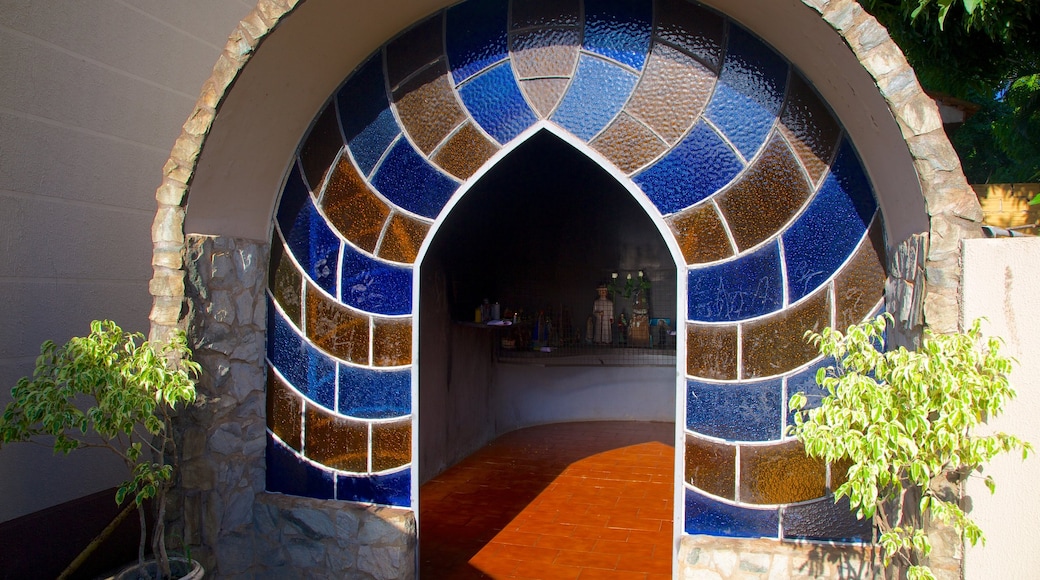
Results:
x,y
180,568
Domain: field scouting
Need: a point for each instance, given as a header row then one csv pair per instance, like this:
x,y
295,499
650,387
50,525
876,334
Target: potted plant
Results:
x,y
115,391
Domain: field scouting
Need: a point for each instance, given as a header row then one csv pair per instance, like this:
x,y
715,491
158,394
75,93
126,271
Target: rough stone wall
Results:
x,y
712,558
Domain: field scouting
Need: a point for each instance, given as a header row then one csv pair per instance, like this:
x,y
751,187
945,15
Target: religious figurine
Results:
x,y
603,316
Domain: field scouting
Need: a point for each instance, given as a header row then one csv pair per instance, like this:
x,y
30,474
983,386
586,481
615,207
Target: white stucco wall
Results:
x,y
1001,281
92,97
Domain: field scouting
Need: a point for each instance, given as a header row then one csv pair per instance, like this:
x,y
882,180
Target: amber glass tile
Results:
x,y
775,345
284,411
711,351
414,49
286,281
711,466
391,342
776,474
465,152
839,473
861,283
812,130
336,442
335,328
352,208
700,234
546,52
671,93
319,150
526,13
428,107
628,144
691,27
544,94
391,444
766,196
404,235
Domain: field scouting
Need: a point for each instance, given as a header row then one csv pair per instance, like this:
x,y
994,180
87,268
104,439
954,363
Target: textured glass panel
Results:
x,y
700,234
409,181
595,97
749,286
825,235
284,411
320,147
315,246
475,36
375,286
696,168
495,101
777,474
735,411
775,345
392,489
628,144
368,123
548,52
805,382
528,13
335,328
693,28
391,342
336,442
671,93
391,444
714,518
619,30
711,466
765,197
826,520
352,208
861,283
294,196
545,94
810,127
306,369
749,92
286,281
711,351
374,394
428,108
466,151
402,239
413,50
288,473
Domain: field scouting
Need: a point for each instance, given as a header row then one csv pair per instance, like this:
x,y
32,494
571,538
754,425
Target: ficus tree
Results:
x,y
903,421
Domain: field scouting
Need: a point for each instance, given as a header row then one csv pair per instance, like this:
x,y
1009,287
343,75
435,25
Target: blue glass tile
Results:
x,y
751,285
817,244
826,520
495,101
597,93
303,366
714,518
749,411
749,92
391,489
374,286
294,196
288,473
619,30
408,180
805,382
697,167
475,37
374,394
315,246
368,123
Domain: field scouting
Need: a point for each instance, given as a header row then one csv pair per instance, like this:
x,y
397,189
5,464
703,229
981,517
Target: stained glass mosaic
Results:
x,y
737,157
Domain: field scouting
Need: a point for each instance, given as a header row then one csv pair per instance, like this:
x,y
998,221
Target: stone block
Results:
x,y
167,282
381,562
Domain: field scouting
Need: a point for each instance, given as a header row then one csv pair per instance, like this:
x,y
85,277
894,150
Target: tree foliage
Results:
x,y
902,419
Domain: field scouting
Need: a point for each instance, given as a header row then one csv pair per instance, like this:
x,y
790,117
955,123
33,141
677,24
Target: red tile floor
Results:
x,y
578,501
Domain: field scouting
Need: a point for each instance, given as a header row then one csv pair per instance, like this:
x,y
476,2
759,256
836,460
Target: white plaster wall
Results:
x,y
1001,281
92,96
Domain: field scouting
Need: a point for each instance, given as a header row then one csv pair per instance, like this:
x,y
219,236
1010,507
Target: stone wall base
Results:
x,y
714,558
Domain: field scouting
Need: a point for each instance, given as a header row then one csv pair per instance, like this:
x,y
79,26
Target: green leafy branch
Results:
x,y
631,285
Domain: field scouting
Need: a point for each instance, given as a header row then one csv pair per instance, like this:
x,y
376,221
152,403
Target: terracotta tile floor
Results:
x,y
574,500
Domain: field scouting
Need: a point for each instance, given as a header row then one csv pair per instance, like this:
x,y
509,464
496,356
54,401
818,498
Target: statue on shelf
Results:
x,y
639,328
603,316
